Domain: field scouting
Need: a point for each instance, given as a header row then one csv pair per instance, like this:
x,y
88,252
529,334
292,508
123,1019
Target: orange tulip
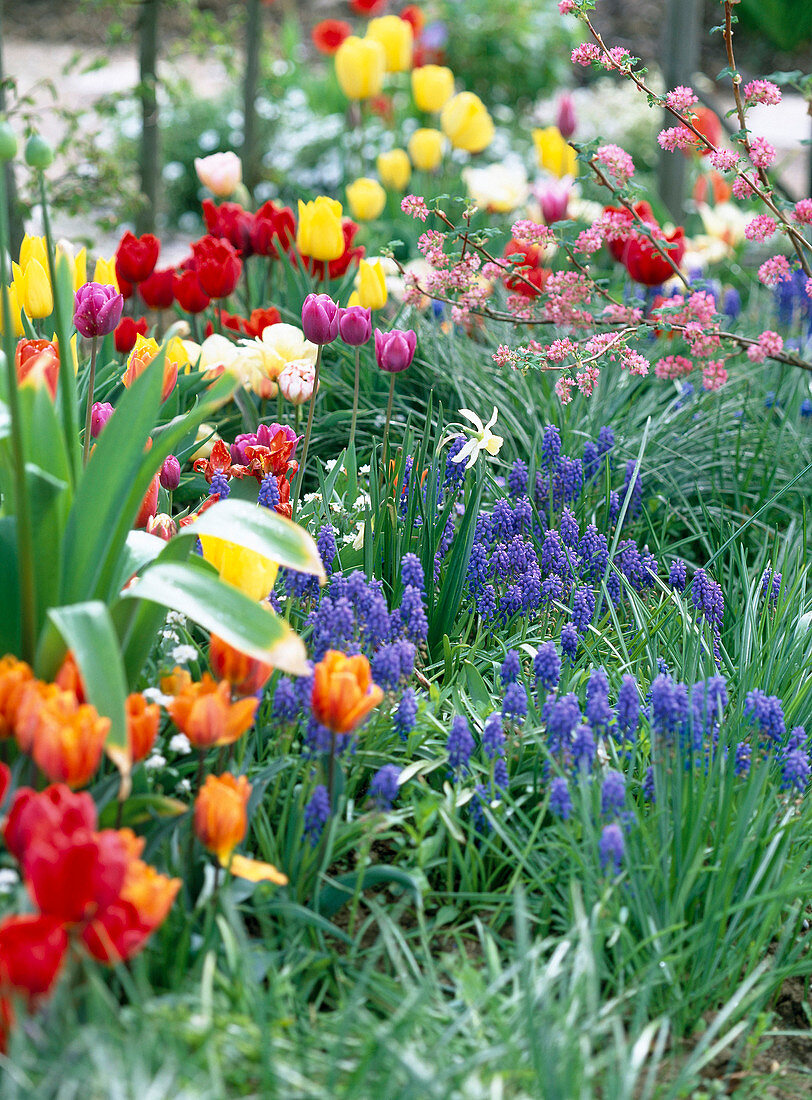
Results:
x,y
37,363
205,713
66,737
69,678
32,696
150,893
143,720
141,356
245,674
221,819
15,676
343,692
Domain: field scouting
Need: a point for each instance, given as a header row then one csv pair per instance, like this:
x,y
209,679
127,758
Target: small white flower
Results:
x,y
155,695
8,880
364,469
330,464
482,439
176,617
184,786
155,761
308,497
183,654
170,636
180,743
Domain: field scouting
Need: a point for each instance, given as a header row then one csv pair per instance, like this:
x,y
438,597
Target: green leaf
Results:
x,y
10,625
140,809
87,630
448,602
341,889
263,531
194,590
48,502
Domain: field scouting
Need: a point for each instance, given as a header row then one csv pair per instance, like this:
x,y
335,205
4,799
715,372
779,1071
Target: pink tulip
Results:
x,y
394,350
319,319
566,116
220,172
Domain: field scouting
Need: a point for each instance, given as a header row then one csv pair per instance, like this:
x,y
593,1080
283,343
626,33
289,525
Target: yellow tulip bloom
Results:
x,y
466,123
33,248
360,67
366,198
15,308
38,299
432,87
426,149
394,169
371,285
396,37
554,154
247,570
80,269
319,233
105,272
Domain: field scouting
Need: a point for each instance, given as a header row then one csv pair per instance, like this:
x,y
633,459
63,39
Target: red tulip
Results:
x,y
529,266
127,330
328,35
189,293
645,264
231,222
72,878
272,223
57,809
218,266
32,951
157,291
136,257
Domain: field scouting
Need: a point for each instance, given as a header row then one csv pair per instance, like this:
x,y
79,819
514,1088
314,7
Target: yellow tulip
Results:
x,y
80,269
360,67
432,87
33,248
466,123
366,198
15,309
247,570
426,149
319,233
554,153
105,272
396,37
371,285
394,169
38,299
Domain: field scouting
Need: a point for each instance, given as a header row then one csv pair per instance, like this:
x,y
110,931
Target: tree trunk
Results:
x,y
253,46
149,154
680,58
15,214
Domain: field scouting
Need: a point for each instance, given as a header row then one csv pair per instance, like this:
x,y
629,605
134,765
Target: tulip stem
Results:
x,y
355,397
332,769
386,426
91,382
300,472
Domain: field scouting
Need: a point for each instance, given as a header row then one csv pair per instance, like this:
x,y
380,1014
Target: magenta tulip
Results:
x,y
100,413
320,319
97,309
170,473
355,325
566,116
394,350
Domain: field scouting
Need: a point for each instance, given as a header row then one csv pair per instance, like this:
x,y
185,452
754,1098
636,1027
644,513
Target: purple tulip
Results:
x,y
320,319
566,116
170,474
355,325
97,309
99,415
394,350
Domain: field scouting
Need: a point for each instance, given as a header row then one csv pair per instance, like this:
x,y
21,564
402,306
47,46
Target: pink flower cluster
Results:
x,y
723,160
585,54
617,162
742,187
566,6
762,91
634,362
415,207
431,245
676,137
761,228
769,343
774,271
673,366
762,154
530,232
681,98
714,375
803,211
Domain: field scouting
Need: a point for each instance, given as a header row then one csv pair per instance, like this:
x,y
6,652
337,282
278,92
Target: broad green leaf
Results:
x,y
448,601
140,809
139,549
10,626
194,590
87,630
263,531
342,888
48,501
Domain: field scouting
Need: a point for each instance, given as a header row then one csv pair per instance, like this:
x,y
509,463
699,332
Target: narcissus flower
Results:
x,y
319,233
481,439
220,172
466,123
426,149
360,67
343,691
396,37
554,154
394,168
221,819
205,713
366,198
432,87
37,363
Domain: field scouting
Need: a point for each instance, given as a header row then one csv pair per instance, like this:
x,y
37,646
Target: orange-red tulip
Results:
x,y
143,720
15,676
343,691
205,713
37,363
221,818
246,674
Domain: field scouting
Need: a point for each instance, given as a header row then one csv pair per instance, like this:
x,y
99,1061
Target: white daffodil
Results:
x,y
482,439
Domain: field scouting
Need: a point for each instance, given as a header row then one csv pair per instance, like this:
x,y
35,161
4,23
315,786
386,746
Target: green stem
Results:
x,y
355,397
300,472
91,382
331,774
25,539
386,428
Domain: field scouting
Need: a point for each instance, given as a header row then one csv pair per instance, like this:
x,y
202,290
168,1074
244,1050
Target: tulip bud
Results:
x,y
372,293
394,350
220,819
426,149
220,172
296,382
360,67
432,87
162,526
97,309
246,674
320,233
170,474
566,115
355,325
366,198
38,298
394,169
320,319
99,415
466,123
38,153
8,142
396,37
